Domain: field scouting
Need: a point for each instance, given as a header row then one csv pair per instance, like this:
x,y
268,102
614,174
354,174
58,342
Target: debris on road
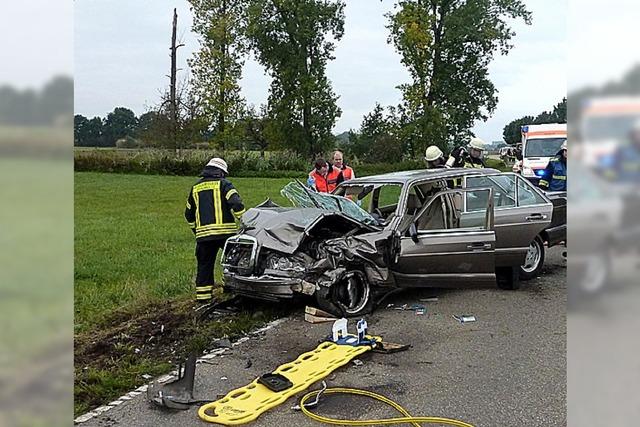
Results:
x,y
357,362
315,315
429,299
419,309
465,318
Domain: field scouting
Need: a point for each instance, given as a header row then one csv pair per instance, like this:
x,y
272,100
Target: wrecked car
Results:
x,y
382,233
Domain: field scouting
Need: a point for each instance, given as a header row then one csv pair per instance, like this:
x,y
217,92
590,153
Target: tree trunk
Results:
x,y
173,108
223,77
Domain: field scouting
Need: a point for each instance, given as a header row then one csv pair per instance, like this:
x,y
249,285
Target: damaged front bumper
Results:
x,y
268,288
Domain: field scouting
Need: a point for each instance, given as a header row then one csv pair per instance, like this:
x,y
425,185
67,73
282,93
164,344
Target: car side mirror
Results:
x,y
413,232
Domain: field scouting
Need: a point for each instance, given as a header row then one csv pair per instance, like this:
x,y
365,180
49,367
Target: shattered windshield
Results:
x,y
304,197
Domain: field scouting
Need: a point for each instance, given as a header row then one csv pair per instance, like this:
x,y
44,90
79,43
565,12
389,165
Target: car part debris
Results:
x,y
429,299
464,318
357,362
315,315
247,403
390,347
177,394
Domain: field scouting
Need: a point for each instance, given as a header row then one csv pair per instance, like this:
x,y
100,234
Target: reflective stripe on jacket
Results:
x,y
213,206
555,176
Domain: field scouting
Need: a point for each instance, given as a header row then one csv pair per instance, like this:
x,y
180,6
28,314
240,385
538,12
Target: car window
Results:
x,y
504,191
301,196
445,212
527,194
388,195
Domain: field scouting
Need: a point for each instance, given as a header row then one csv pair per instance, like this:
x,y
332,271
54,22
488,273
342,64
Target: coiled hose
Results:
x,y
406,419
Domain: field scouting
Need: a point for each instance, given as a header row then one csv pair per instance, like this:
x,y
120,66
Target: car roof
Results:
x,y
408,177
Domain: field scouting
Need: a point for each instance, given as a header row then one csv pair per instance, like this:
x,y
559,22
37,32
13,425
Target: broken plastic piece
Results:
x,y
465,318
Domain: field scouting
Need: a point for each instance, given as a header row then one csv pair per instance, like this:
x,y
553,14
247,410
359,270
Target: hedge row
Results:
x,y
241,164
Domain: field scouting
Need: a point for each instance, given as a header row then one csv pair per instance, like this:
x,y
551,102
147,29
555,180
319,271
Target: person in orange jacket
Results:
x,y
338,163
324,178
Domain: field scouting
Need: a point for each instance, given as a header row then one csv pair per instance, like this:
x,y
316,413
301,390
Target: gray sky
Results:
x,y
37,41
122,59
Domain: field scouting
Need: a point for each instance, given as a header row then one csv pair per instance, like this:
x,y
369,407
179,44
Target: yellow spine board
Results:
x,y
245,404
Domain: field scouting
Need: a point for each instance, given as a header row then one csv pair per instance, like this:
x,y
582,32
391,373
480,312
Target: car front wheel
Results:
x,y
534,260
351,296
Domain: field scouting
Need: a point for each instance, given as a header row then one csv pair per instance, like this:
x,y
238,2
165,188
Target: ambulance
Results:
x,y
540,143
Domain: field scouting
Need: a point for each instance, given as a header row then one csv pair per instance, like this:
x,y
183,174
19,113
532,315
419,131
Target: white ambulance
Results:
x,y
540,143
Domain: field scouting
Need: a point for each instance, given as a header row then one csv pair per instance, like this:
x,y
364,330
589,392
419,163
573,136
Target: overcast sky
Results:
x,y
122,59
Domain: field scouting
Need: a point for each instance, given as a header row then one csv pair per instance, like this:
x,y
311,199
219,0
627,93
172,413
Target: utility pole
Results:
x,y
173,103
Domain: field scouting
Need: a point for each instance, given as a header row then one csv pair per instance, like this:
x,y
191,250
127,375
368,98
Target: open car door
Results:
x,y
445,246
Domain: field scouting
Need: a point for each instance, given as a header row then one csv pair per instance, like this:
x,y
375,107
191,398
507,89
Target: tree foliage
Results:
x,y
294,40
53,104
447,46
512,134
217,66
120,123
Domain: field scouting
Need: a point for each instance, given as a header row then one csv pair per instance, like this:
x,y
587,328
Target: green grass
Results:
x,y
132,244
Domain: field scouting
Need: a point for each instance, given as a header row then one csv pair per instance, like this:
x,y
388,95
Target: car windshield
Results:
x,y
303,197
543,147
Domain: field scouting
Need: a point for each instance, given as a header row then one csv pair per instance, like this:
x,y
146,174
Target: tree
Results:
x,y
121,122
87,133
294,40
217,66
378,138
447,46
512,131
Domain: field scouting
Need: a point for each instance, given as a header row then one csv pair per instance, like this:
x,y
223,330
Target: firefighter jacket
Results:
x,y
555,175
213,206
325,184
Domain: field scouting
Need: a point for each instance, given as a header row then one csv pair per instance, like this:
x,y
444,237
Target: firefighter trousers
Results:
x,y
206,253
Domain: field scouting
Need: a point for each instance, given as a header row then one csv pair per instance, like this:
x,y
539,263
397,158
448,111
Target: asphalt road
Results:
x,y
506,369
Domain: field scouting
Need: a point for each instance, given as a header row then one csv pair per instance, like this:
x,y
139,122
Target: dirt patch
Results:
x,y
154,332
132,346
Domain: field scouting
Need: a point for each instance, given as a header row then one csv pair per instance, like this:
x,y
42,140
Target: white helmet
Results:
x,y
433,153
563,146
477,143
218,163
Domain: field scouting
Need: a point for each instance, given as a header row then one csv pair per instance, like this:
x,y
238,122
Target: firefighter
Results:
x,y
434,158
213,209
555,175
469,156
324,178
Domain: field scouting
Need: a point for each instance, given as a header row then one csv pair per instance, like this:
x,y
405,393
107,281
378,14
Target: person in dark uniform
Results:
x,y
213,210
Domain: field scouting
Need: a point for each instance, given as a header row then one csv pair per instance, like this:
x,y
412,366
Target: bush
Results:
x,y
241,163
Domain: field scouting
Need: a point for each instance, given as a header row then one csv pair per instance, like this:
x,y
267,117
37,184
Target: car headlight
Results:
x,y
285,264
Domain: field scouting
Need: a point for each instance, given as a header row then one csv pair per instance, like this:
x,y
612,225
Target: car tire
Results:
x,y
351,296
508,278
533,261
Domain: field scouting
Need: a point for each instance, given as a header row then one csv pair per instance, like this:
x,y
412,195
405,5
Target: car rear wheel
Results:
x,y
351,296
534,260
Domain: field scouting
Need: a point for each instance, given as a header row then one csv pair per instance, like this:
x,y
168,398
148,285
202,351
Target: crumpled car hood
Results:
x,y
283,229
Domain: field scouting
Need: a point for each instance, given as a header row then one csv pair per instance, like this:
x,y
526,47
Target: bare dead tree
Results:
x,y
173,104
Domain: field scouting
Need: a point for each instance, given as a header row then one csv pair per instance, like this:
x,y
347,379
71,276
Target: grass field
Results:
x,y
134,273
132,244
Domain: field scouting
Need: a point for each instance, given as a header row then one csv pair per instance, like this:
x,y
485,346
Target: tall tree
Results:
x,y
447,46
217,66
294,40
121,122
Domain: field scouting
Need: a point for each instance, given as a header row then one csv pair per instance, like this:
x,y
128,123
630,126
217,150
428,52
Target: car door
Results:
x,y
521,212
445,246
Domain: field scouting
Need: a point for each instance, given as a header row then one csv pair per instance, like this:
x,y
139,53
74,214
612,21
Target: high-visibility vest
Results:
x,y
348,173
328,183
